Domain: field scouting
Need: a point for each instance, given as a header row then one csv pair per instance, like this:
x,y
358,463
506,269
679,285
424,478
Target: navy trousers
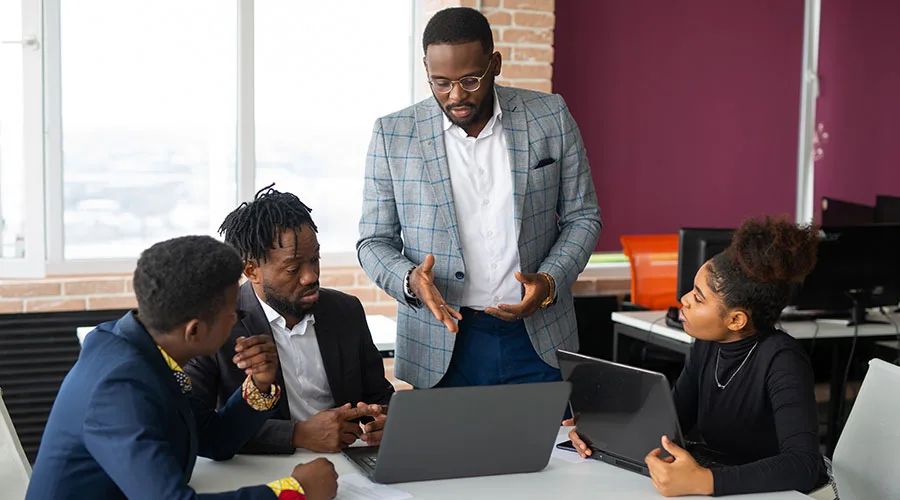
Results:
x,y
490,351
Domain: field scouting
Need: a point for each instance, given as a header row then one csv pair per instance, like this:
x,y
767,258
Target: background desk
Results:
x,y
650,327
561,479
384,333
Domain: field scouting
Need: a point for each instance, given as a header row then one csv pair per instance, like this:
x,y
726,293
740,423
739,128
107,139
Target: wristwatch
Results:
x,y
551,297
406,289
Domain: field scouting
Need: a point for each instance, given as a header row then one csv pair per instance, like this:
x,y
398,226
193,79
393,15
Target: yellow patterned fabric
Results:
x,y
258,400
286,484
184,382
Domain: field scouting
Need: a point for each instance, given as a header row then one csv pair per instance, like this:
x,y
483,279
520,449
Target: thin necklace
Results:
x,y
716,373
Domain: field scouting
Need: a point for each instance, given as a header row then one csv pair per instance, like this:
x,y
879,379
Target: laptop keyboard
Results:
x,y
370,461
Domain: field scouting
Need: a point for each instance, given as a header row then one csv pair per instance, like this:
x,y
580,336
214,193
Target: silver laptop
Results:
x,y
465,432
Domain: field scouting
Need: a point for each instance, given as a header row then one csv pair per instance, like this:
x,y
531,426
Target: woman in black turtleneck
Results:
x,y
746,386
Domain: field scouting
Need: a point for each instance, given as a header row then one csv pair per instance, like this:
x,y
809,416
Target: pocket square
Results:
x,y
545,162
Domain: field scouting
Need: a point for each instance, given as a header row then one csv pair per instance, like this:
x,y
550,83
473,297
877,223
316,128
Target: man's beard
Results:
x,y
477,113
283,305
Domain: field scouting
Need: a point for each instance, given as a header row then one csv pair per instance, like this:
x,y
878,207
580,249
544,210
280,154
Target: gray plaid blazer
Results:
x,y
408,212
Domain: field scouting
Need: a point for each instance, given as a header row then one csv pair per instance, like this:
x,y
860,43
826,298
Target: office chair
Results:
x,y
654,270
864,463
15,471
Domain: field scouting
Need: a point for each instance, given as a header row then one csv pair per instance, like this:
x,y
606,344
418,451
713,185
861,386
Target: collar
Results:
x,y
184,382
131,330
274,318
488,129
740,348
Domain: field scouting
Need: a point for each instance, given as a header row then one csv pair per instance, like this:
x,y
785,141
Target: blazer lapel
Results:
x,y
330,346
252,316
515,126
430,131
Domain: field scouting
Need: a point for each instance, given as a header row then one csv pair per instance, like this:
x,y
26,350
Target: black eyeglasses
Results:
x,y
468,83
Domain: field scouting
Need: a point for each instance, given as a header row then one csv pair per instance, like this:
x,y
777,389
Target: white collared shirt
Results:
x,y
481,180
306,384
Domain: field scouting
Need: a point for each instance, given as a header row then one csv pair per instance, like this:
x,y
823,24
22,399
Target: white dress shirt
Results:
x,y
306,385
481,180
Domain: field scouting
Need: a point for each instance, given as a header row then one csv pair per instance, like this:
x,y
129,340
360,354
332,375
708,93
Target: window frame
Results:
x,y
33,264
809,92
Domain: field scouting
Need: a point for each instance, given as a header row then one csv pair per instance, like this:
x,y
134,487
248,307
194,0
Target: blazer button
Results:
x,y
460,275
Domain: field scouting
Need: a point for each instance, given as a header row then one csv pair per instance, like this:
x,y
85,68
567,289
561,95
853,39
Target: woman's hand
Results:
x,y
678,474
580,446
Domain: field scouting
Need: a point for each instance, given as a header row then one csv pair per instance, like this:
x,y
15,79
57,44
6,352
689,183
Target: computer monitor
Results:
x,y
846,213
887,209
696,246
857,266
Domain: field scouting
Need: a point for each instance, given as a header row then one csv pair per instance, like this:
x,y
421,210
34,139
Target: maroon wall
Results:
x,y
859,100
689,109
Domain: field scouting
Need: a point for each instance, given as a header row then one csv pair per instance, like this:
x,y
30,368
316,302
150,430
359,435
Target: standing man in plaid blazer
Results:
x,y
479,213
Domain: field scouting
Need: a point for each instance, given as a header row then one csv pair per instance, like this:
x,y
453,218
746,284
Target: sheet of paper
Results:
x,y
568,456
359,487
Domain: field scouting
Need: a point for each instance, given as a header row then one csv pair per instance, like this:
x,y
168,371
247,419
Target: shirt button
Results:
x,y
496,298
460,275
490,234
494,265
486,202
481,171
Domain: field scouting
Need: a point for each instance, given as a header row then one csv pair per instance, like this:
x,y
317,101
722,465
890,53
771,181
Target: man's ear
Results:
x,y
498,63
194,332
252,272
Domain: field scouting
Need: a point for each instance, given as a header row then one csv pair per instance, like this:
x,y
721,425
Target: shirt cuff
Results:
x,y
256,399
287,489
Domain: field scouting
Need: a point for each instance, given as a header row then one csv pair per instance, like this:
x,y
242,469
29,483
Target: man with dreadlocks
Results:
x,y
331,371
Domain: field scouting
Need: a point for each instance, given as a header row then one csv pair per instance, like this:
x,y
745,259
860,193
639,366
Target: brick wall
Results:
x,y
91,293
523,34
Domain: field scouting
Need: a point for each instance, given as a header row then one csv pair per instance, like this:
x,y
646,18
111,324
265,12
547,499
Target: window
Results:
x,y
148,122
154,119
321,81
12,182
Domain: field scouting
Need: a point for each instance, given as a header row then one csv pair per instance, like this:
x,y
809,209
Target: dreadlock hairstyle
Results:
x,y
254,227
766,257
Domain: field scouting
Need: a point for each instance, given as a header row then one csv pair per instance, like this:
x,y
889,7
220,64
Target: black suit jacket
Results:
x,y
353,365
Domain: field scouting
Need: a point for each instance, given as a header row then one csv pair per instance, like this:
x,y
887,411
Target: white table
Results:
x,y
561,479
82,331
384,332
650,327
382,328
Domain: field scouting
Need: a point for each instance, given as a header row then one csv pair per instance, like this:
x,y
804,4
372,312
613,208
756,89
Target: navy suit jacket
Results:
x,y
121,428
